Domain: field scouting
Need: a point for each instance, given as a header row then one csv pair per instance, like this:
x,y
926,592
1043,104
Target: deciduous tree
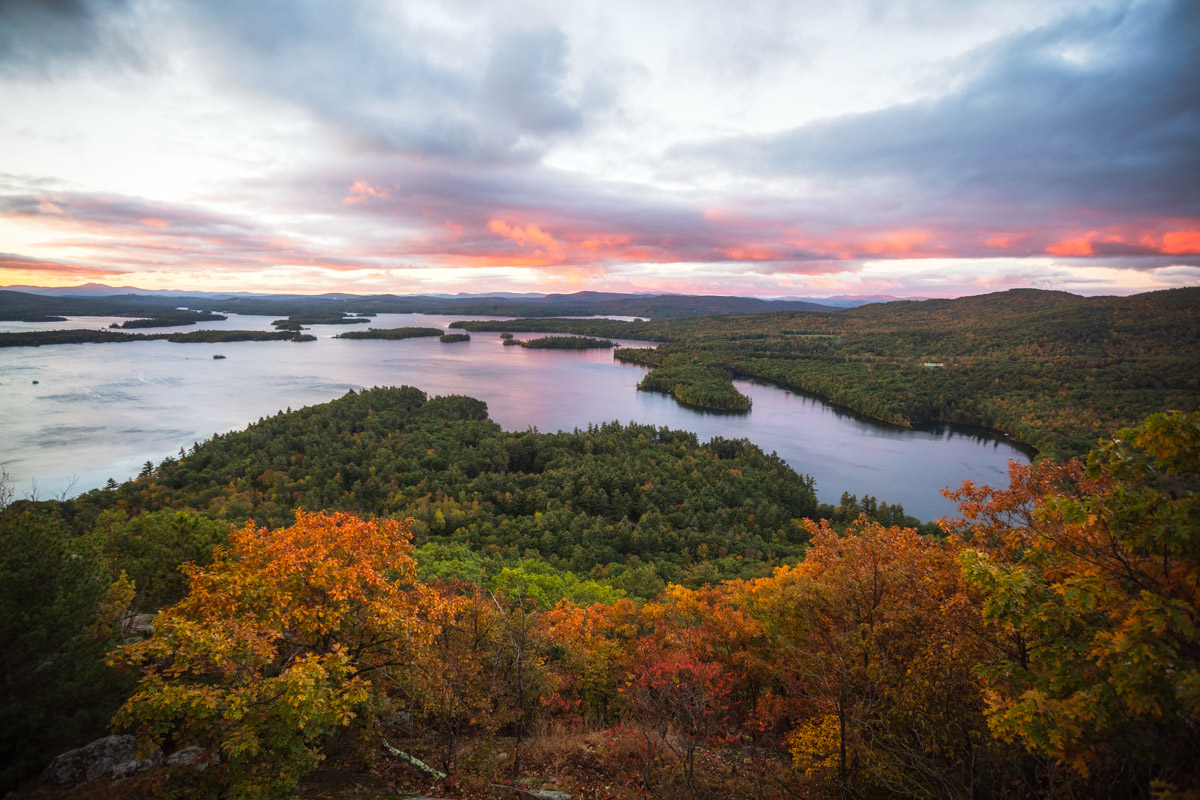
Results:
x,y
288,635
1091,577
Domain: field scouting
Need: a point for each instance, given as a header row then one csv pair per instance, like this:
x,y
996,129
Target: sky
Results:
x,y
907,148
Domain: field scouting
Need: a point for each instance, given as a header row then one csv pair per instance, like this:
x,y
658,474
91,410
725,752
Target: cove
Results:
x,y
100,411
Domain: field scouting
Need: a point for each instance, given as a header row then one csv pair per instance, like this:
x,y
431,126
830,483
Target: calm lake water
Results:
x,y
102,410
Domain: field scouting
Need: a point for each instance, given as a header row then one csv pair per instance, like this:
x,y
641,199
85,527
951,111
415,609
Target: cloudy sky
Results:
x,y
791,148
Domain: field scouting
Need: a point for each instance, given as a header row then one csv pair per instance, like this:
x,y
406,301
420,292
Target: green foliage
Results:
x,y
698,385
450,338
850,508
59,615
528,577
150,547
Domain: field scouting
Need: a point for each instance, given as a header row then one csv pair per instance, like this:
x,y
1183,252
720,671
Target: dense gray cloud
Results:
x,y
371,75
346,133
1096,113
524,82
52,37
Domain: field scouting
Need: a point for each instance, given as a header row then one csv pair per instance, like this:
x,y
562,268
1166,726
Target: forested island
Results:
x,y
1051,369
562,343
295,322
391,333
83,336
697,385
619,611
172,319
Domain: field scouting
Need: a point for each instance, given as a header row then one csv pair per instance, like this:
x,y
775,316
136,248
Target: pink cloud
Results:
x,y
361,191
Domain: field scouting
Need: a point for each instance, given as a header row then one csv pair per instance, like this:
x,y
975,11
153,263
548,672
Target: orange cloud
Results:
x,y
151,222
522,236
901,242
749,253
1179,243
1078,246
1128,240
599,242
361,191
550,250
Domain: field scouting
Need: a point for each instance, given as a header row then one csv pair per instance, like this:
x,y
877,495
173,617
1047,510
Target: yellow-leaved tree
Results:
x,y
1090,576
286,636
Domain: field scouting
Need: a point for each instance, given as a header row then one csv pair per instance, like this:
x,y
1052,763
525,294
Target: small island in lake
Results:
x,y
295,321
448,338
170,319
563,343
390,333
83,336
697,386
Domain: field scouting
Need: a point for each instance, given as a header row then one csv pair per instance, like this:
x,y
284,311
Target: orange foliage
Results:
x,y
288,635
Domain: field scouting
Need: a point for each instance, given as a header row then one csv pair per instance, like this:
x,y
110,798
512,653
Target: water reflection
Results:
x,y
103,410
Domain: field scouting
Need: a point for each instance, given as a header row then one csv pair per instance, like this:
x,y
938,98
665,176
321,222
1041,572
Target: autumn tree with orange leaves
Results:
x,y
873,656
1090,577
287,636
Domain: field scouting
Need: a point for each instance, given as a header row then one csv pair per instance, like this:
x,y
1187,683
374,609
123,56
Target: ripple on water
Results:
x,y
61,436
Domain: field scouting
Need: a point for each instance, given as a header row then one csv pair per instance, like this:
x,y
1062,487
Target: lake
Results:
x,y
101,411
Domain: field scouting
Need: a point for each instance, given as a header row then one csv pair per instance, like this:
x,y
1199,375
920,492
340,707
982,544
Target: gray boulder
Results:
x,y
127,769
92,761
136,627
197,758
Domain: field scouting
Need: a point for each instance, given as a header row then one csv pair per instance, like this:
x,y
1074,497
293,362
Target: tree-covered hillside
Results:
x,y
1051,369
611,500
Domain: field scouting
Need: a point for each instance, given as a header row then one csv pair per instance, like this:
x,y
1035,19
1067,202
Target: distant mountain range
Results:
x,y
97,299
851,300
103,290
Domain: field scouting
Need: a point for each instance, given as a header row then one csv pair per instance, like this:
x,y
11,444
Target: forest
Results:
x,y
388,592
1050,369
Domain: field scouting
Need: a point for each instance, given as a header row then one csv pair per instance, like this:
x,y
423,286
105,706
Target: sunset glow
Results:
x,y
615,147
